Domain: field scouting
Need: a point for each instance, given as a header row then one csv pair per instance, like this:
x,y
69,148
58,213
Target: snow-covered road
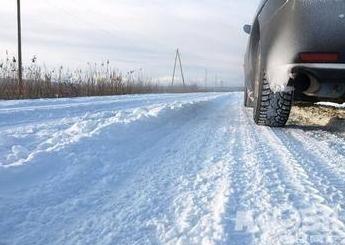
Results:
x,y
165,169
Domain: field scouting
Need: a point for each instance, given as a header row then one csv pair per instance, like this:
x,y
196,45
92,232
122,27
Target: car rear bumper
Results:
x,y
321,71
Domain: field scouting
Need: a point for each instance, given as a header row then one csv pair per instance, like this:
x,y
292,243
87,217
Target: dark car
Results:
x,y
296,53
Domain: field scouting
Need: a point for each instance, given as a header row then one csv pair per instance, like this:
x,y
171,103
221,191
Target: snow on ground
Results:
x,y
166,169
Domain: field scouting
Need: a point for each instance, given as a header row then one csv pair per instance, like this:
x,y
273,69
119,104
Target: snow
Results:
x,y
279,76
332,104
166,169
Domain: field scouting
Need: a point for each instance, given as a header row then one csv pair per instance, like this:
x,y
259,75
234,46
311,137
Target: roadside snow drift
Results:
x,y
165,169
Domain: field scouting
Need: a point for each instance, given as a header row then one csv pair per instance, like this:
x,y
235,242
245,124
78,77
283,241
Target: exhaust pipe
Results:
x,y
313,88
322,89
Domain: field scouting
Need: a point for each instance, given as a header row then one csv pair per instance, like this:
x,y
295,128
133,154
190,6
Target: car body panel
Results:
x,y
286,28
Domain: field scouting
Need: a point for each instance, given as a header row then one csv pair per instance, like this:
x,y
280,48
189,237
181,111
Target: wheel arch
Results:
x,y
254,47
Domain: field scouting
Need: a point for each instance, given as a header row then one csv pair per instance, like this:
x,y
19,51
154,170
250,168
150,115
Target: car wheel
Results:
x,y
272,108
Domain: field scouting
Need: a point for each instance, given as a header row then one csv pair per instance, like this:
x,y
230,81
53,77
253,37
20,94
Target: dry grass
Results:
x,y
318,116
96,80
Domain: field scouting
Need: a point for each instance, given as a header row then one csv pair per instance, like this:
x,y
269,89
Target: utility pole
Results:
x,y
178,58
20,75
173,77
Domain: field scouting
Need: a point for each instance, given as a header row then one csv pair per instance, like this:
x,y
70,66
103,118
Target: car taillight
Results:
x,y
319,57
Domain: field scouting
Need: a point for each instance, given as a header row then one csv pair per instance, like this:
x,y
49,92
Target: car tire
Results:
x,y
271,108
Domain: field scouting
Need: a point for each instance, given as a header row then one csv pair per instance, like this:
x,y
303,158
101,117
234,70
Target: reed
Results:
x,y
95,80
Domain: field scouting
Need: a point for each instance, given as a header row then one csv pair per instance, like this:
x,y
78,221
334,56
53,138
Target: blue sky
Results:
x,y
134,34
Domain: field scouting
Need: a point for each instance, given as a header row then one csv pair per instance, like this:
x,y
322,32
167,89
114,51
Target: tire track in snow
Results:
x,y
246,179
333,139
320,167
263,193
329,156
284,189
199,204
319,218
